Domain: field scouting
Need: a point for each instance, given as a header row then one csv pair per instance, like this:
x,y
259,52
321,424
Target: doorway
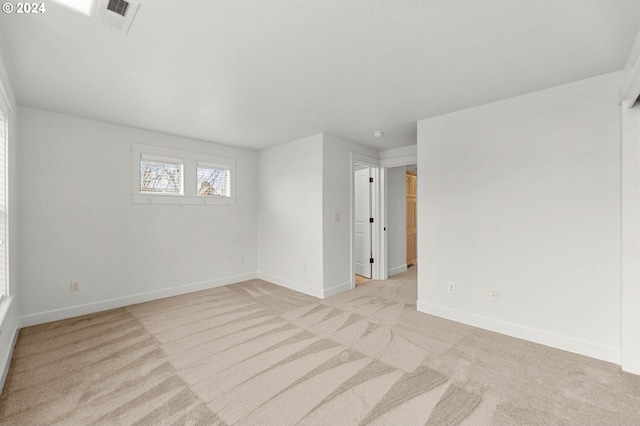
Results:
x,y
363,223
401,214
411,231
367,219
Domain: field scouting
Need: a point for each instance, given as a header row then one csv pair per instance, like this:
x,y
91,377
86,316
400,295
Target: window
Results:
x,y
4,290
213,181
172,176
160,175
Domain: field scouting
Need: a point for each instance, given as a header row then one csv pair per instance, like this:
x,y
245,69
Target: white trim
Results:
x,y
5,121
189,161
6,111
160,159
182,200
400,161
182,154
404,156
554,340
163,160
379,246
5,361
226,167
397,270
119,302
4,95
6,352
399,152
213,165
8,303
378,236
364,159
336,289
292,285
5,304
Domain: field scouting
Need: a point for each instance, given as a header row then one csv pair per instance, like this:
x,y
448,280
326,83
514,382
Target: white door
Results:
x,y
362,226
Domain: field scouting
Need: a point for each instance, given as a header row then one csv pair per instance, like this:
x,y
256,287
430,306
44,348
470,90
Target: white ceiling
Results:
x,y
259,73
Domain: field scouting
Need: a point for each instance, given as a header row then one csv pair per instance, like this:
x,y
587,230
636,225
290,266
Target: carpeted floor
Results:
x,y
257,354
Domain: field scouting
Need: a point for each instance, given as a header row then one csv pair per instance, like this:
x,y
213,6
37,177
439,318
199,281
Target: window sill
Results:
x,y
182,200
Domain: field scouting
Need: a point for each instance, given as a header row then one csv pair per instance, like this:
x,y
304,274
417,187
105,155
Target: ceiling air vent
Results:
x,y
118,6
117,14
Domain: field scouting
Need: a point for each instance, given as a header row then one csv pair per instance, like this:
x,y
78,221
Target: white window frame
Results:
x,y
190,161
215,166
163,160
5,110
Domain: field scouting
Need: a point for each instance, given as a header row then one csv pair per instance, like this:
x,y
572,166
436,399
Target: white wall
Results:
x,y
630,315
302,184
523,196
9,306
396,220
78,221
630,139
337,181
290,215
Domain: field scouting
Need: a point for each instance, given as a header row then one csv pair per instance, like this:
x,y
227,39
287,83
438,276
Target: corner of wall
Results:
x,y
290,215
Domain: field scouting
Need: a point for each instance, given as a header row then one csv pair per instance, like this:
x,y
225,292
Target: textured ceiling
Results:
x,y
259,73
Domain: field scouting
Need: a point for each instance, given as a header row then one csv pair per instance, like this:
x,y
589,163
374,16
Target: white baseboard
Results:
x,y
336,289
397,270
291,285
554,340
103,305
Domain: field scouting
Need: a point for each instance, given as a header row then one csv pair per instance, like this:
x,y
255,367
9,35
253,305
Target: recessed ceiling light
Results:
x,y
377,134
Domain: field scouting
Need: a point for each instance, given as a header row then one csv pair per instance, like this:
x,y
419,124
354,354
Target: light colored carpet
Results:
x,y
257,354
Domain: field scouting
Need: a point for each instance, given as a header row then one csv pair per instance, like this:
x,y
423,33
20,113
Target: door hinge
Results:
x,y
370,220
370,180
371,260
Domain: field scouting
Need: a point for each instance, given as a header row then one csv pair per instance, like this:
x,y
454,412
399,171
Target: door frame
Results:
x,y
378,240
363,189
415,217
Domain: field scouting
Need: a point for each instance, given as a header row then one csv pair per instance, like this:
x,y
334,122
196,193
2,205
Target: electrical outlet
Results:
x,y
228,263
242,260
451,287
493,295
75,285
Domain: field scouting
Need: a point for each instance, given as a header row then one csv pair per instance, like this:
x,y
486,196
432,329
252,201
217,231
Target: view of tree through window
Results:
x,y
160,176
213,181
